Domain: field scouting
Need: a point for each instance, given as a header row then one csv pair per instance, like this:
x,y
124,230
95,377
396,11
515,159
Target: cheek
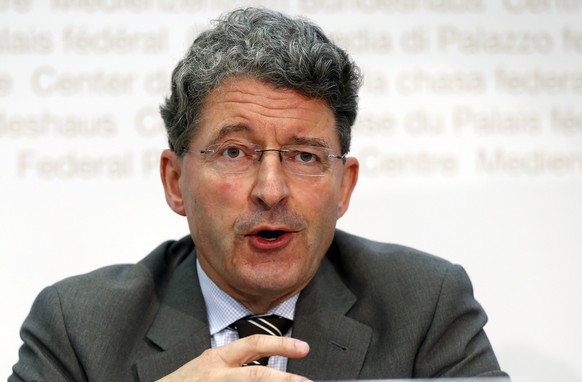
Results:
x,y
219,198
228,188
321,201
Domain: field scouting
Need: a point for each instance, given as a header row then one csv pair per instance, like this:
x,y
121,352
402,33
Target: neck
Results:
x,y
261,305
256,303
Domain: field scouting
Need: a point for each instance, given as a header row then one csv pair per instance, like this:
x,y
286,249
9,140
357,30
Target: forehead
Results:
x,y
246,106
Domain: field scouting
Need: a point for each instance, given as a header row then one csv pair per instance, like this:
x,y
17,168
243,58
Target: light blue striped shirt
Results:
x,y
223,310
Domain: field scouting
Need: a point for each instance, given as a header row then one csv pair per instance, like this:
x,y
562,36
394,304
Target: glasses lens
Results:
x,y
306,160
232,157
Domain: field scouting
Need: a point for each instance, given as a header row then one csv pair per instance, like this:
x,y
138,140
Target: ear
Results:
x,y
348,183
170,171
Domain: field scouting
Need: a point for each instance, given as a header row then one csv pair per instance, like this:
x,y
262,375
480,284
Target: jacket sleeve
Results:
x,y
46,353
456,344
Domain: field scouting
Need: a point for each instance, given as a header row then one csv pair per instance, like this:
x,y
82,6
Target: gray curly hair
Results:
x,y
268,46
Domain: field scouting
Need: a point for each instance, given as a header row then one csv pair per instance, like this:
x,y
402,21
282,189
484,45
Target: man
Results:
x,y
259,122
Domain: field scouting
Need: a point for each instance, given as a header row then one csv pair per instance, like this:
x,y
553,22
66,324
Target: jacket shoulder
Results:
x,y
119,279
109,299
361,255
74,328
393,277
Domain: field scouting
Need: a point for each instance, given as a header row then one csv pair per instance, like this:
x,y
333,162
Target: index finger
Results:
x,y
259,345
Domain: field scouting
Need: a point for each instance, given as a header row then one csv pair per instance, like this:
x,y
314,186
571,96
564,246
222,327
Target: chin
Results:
x,y
280,278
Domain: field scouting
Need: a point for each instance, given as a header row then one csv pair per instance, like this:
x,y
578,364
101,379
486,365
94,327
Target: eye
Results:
x,y
232,152
305,154
306,157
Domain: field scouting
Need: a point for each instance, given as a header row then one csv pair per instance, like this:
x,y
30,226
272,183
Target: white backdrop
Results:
x,y
469,135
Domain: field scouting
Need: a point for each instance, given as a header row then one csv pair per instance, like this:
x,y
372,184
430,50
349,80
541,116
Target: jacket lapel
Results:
x,y
180,329
338,343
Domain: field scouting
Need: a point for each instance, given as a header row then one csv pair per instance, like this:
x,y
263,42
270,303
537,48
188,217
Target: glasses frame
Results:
x,y
214,148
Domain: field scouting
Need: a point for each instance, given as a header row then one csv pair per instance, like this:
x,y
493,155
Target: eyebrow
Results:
x,y
308,141
295,140
229,129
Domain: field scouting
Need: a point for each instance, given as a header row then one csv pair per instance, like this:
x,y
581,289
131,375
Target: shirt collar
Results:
x,y
223,310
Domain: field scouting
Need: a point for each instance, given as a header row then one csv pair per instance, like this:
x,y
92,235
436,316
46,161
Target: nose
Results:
x,y
271,187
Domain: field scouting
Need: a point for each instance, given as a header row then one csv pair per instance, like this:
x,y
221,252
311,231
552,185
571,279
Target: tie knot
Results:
x,y
271,325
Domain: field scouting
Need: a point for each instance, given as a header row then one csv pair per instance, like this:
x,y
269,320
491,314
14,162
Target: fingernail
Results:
x,y
301,346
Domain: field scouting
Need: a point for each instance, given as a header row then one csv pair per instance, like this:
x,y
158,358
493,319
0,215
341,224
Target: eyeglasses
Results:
x,y
238,157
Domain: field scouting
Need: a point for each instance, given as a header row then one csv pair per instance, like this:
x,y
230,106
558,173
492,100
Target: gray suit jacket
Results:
x,y
372,311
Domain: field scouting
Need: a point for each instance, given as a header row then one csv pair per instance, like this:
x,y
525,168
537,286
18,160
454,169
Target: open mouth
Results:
x,y
270,235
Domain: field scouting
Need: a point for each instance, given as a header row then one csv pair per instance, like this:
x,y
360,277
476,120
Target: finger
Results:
x,y
253,347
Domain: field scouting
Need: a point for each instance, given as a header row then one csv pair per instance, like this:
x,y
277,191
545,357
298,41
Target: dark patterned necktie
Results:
x,y
270,325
